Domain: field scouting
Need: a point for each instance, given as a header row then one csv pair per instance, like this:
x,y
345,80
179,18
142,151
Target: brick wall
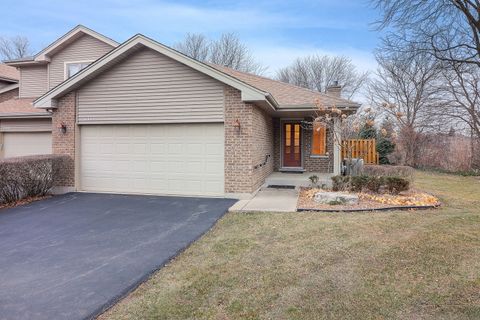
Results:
x,y
65,143
9,95
262,147
246,148
310,163
322,164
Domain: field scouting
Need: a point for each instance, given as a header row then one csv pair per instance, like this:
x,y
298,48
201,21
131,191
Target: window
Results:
x,y
319,139
75,67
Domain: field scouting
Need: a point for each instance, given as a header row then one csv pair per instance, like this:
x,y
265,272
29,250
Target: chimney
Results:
x,y
335,90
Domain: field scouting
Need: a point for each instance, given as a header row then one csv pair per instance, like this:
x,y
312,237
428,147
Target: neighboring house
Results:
x,y
144,118
25,130
9,78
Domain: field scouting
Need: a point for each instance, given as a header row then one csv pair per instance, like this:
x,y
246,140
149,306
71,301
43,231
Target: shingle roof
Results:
x,y
19,106
286,94
9,72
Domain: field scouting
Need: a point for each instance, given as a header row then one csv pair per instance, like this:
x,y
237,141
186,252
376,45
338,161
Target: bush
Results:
x,y
30,176
375,183
405,172
358,183
341,183
396,184
372,183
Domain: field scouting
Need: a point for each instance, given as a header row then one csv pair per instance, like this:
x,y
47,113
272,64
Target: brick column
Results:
x,y
238,143
64,143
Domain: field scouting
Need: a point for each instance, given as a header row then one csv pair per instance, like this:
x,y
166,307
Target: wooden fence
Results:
x,y
360,148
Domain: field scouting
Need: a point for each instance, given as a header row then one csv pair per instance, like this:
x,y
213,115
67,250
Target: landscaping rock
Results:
x,y
335,198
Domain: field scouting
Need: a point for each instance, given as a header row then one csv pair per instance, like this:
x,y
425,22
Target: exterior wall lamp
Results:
x,y
63,128
236,125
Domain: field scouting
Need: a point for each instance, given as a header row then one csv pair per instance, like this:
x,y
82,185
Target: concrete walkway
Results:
x,y
269,200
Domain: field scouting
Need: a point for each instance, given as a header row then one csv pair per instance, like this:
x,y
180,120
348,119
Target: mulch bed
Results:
x,y
23,202
306,203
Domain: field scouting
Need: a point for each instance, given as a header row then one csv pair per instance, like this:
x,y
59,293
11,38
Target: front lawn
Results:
x,y
395,265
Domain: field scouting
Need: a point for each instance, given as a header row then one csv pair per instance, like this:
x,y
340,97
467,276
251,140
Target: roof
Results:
x,y
278,95
249,93
287,95
60,43
9,73
21,108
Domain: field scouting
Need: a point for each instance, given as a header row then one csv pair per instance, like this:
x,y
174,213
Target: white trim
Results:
x,y
9,88
66,63
43,55
337,156
249,93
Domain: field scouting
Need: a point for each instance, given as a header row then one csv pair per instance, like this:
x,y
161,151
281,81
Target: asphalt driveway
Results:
x,y
71,256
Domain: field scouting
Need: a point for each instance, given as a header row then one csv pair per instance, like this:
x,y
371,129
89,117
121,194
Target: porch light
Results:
x,y
236,125
63,128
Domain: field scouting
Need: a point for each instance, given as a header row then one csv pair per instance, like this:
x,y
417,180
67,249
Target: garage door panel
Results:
x,y
16,144
184,159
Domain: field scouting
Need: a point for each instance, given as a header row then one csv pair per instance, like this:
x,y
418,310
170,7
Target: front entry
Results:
x,y
292,145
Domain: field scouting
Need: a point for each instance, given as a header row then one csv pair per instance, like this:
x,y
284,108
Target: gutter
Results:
x,y
24,115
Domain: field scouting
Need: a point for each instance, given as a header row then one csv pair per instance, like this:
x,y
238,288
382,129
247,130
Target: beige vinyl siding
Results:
x,y
25,125
148,87
33,81
85,48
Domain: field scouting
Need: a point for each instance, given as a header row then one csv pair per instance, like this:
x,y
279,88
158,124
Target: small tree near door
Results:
x,y
344,124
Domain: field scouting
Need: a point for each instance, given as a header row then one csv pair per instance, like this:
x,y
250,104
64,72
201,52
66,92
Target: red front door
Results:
x,y
292,140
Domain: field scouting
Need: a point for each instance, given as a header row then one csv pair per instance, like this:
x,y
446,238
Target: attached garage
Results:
x,y
180,159
24,137
17,144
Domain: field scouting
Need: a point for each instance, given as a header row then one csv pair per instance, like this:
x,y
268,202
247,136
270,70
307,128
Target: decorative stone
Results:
x,y
335,198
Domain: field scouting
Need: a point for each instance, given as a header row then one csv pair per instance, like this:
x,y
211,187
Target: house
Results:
x,y
9,78
144,118
25,130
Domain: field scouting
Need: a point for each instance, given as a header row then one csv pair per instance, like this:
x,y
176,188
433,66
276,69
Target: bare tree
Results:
x,y
14,47
318,72
406,89
447,29
461,95
194,45
230,52
227,51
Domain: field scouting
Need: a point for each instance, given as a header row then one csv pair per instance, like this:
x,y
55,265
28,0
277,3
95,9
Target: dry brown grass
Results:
x,y
384,265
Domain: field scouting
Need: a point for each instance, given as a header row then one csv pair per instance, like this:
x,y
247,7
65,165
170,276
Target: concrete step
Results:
x,y
283,179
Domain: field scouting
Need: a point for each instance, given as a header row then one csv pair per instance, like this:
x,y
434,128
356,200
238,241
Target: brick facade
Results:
x,y
9,95
64,143
248,149
262,147
311,163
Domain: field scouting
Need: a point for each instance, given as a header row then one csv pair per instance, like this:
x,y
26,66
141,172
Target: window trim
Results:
x,y
66,63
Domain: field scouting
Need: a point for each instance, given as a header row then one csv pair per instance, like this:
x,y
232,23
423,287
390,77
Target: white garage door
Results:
x,y
17,144
182,159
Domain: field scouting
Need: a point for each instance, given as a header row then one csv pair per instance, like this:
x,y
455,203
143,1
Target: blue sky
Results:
x,y
276,31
